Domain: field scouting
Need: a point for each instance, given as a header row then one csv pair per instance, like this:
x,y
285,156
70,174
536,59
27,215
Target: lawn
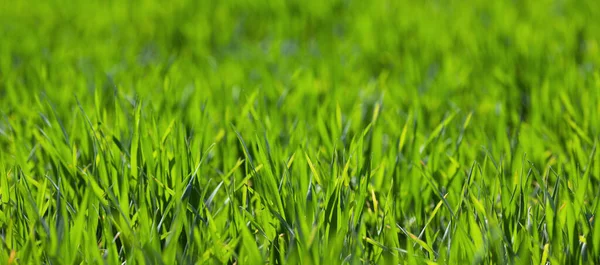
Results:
x,y
299,132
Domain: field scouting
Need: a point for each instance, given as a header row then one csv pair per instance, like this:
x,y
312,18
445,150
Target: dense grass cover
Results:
x,y
299,132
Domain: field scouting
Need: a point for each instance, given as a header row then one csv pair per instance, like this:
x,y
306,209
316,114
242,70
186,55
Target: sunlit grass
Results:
x,y
288,132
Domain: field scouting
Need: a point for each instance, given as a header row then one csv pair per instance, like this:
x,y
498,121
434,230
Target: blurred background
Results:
x,y
508,61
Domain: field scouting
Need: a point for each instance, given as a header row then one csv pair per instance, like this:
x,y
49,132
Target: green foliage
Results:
x,y
287,132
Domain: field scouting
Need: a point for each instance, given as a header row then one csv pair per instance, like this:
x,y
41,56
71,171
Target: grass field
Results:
x,y
299,132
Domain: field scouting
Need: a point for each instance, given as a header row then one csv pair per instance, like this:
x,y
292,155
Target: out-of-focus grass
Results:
x,y
249,132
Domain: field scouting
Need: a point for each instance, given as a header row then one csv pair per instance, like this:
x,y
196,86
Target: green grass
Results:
x,y
299,132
